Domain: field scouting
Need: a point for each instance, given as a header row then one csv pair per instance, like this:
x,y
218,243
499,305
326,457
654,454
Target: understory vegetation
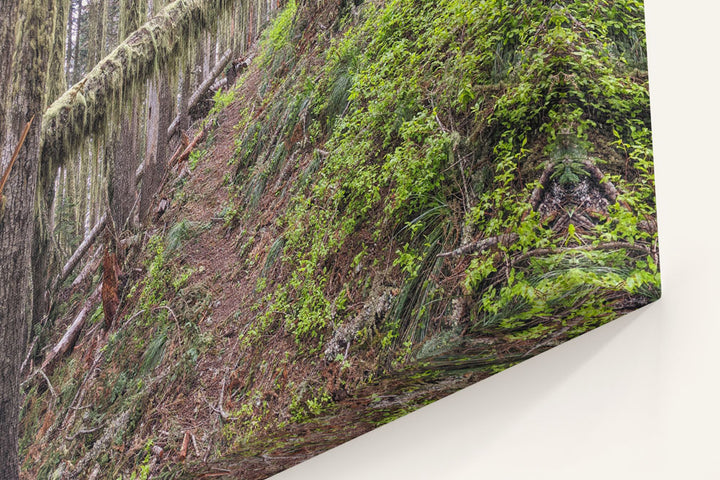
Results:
x,y
395,200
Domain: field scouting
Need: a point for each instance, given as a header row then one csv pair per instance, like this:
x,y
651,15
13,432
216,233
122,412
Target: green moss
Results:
x,y
112,83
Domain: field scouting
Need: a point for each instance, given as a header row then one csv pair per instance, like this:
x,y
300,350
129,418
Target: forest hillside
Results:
x,y
377,204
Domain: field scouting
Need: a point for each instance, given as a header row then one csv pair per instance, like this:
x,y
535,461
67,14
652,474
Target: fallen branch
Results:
x,y
23,136
73,331
80,252
83,432
184,142
177,322
197,452
47,380
178,158
480,245
583,248
183,449
52,390
88,269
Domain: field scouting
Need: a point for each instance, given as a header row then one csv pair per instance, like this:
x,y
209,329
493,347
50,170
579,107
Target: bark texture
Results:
x,y
25,85
155,159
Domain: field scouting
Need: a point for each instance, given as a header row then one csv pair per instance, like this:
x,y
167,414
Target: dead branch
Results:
x,y
583,248
186,153
177,322
23,136
80,252
480,245
52,390
83,432
197,452
183,449
73,331
40,371
88,269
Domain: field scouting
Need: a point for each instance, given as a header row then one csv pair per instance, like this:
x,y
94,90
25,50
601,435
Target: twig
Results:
x,y
197,452
52,390
29,354
134,316
173,315
41,372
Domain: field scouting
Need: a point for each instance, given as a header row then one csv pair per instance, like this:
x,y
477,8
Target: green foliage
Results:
x,y
277,37
400,98
309,402
154,351
195,157
222,99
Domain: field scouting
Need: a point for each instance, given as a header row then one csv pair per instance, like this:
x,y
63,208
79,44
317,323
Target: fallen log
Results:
x,y
182,156
73,332
84,109
204,87
79,252
88,269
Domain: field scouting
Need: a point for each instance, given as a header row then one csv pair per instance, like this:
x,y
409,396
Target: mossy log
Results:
x,y
86,108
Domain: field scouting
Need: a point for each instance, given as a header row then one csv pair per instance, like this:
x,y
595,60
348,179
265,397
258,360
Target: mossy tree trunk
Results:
x,y
25,90
43,252
159,118
122,150
8,17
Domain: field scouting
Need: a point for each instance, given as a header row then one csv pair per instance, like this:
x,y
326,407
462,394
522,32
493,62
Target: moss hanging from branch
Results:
x,y
86,107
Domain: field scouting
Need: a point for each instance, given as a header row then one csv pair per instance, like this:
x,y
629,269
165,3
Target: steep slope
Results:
x,y
396,200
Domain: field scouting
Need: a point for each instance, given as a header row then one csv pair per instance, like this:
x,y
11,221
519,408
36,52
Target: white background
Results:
x,y
638,398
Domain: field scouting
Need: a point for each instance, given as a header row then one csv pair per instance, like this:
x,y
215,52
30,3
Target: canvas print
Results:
x,y
235,235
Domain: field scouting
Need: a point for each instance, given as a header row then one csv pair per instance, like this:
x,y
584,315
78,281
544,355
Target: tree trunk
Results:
x,y
43,253
155,159
26,91
8,18
122,150
69,39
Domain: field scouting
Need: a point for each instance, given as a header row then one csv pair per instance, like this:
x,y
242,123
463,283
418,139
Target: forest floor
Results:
x,y
215,255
